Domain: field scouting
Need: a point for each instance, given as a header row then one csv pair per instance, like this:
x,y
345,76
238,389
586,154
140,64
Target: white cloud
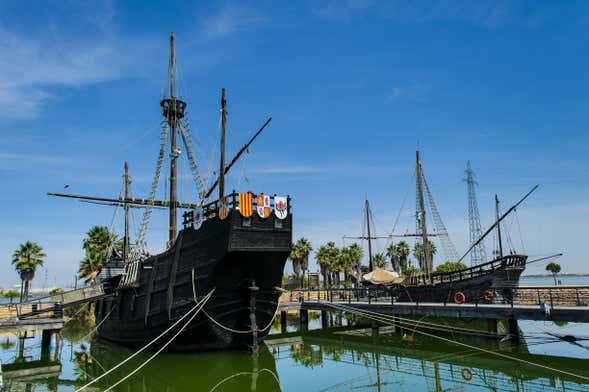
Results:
x,y
29,68
414,91
231,19
34,158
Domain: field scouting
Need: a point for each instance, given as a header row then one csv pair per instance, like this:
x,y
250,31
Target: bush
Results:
x,y
450,266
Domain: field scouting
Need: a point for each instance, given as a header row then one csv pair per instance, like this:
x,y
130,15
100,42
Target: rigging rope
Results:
x,y
387,321
402,205
447,244
132,267
186,135
202,302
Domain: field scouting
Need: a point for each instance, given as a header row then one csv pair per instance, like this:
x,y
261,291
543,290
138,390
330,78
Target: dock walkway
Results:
x,y
554,303
45,313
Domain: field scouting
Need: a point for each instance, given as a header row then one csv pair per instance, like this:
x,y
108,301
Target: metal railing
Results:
x,y
52,305
30,310
527,295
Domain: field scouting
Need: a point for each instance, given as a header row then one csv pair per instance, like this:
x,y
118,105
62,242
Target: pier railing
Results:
x,y
30,310
52,305
549,296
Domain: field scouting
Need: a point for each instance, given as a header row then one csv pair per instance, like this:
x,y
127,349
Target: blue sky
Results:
x,y
353,88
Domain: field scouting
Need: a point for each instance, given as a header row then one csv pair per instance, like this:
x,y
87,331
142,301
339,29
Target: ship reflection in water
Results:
x,y
343,358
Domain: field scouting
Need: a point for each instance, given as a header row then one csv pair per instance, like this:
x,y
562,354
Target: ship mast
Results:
x,y
126,239
369,237
422,228
222,160
173,110
498,226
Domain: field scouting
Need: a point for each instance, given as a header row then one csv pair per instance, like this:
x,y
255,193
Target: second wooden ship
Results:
x,y
489,281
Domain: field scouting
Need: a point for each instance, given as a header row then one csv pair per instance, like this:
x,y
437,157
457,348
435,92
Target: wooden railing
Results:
x,y
471,272
211,209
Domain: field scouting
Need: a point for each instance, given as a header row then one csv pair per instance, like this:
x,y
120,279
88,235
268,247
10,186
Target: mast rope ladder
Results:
x,y
186,135
132,266
447,246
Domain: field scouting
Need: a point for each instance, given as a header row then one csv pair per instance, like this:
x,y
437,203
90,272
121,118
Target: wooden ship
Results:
x,y
489,281
237,245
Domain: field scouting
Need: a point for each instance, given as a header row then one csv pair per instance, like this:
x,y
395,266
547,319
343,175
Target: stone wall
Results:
x,y
561,296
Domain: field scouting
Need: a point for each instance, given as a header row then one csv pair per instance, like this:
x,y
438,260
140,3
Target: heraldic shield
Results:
x,y
245,204
280,206
198,217
223,208
263,205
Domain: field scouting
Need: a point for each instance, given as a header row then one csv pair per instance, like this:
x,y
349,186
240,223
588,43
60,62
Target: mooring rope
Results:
x,y
241,331
223,381
202,304
387,321
443,327
206,298
99,324
225,327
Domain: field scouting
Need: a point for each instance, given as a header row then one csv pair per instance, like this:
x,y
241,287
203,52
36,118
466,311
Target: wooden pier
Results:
x,y
540,303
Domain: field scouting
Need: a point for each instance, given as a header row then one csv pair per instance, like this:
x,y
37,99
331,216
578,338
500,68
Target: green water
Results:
x,y
343,358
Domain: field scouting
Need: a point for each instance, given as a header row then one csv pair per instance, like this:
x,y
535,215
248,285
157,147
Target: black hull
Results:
x,y
478,284
228,256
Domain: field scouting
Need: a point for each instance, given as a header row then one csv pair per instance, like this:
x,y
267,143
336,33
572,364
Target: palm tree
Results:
x,y
418,253
100,240
98,243
398,254
379,261
11,295
327,256
26,259
351,257
300,257
553,268
90,267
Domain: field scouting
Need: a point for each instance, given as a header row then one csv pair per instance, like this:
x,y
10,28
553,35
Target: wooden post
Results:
x,y
375,327
397,324
253,291
57,344
324,319
283,321
304,320
46,344
492,326
514,330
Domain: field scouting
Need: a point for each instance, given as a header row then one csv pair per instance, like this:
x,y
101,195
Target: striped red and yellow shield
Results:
x,y
245,204
223,208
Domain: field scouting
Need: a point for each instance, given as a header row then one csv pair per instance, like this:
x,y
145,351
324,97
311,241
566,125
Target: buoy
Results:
x,y
466,374
459,298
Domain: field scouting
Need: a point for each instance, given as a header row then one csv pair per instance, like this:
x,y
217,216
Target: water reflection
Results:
x,y
339,358
391,363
